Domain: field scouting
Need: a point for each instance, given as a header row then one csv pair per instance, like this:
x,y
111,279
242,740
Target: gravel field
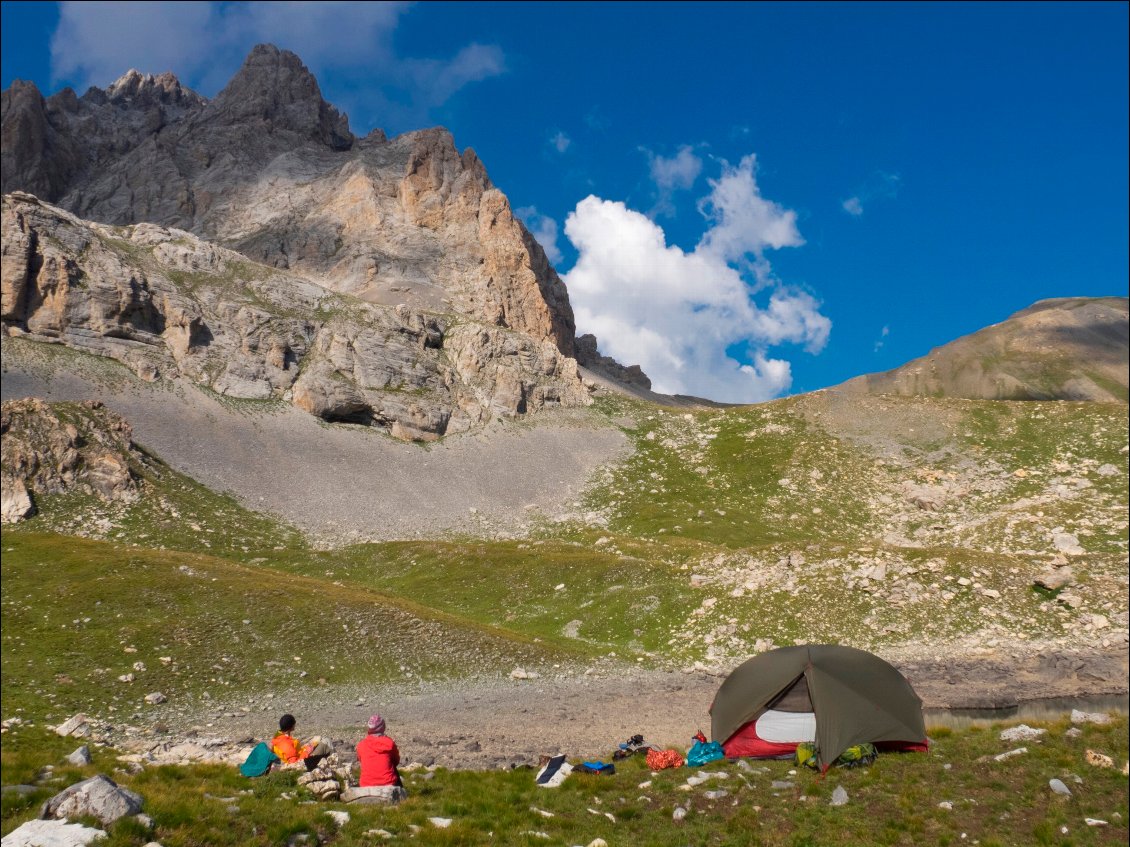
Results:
x,y
351,483
482,724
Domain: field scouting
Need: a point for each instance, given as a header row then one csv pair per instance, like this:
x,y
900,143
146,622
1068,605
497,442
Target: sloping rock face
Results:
x,y
589,356
1063,349
57,449
269,169
169,305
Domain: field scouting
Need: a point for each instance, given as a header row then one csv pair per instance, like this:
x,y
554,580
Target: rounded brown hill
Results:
x,y
1070,348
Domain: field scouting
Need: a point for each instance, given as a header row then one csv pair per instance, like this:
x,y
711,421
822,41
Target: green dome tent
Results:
x,y
855,696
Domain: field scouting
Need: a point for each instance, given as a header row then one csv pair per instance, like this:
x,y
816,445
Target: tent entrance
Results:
x,y
794,698
772,732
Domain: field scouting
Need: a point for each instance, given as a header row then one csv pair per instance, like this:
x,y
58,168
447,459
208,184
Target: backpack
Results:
x,y
703,753
259,760
853,757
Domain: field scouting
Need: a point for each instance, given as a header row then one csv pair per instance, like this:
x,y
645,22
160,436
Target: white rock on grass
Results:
x,y
75,726
1023,732
155,698
339,817
839,796
1018,751
1067,544
1095,822
1058,786
52,834
1089,717
440,823
678,814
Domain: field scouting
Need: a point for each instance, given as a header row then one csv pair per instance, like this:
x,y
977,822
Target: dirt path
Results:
x,y
505,722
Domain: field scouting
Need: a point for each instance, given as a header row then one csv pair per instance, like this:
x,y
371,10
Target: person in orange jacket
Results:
x,y
292,751
378,756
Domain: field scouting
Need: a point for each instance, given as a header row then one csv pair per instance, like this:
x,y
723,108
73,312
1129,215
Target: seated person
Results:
x,y
378,756
292,751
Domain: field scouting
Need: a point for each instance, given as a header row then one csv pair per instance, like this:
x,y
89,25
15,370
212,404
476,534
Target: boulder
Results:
x,y
1023,732
81,756
41,833
1056,579
1067,544
388,795
15,500
76,726
98,797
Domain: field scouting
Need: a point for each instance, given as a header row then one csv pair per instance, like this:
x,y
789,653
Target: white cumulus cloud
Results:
x,y
678,313
543,229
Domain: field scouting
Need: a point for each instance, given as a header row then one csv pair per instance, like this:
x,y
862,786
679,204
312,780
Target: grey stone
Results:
x,y
81,756
41,833
1023,732
388,795
1058,786
76,725
99,797
839,796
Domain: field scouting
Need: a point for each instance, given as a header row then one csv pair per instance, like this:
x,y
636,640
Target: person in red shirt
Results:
x,y
378,756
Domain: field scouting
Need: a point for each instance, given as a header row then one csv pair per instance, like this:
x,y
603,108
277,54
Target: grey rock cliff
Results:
x,y
169,305
271,170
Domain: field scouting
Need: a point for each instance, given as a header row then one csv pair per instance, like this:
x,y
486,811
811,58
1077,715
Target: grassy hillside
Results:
x,y
78,614
723,532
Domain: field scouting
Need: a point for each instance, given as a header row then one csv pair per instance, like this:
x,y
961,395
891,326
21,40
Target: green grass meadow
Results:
x,y
718,530
895,801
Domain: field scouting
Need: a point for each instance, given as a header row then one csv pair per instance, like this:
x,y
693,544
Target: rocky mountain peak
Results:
x,y
276,90
144,90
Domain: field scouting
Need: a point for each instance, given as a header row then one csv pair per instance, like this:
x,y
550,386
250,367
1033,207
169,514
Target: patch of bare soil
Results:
x,y
488,724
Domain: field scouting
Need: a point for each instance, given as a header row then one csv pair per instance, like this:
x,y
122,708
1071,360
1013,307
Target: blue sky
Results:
x,y
749,200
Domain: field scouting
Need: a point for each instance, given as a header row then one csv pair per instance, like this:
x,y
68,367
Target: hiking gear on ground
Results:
x,y
853,696
553,773
657,760
855,756
597,768
703,753
259,760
